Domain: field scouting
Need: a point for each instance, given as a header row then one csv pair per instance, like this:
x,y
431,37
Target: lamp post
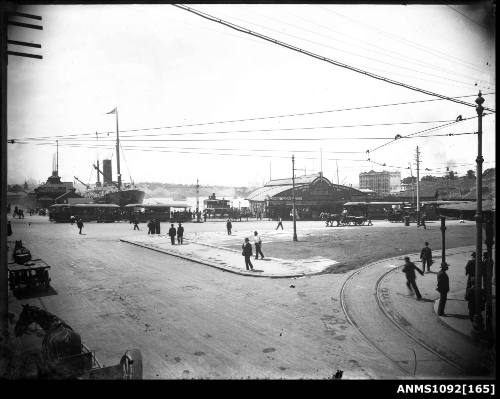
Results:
x,y
293,200
477,321
443,242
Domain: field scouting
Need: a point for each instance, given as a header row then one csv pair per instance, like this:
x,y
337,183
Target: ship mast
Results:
x,y
115,111
118,153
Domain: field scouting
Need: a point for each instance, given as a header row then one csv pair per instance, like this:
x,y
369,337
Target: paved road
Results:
x,y
190,320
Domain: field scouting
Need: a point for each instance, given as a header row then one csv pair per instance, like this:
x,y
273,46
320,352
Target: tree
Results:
x,y
451,175
429,178
409,180
471,174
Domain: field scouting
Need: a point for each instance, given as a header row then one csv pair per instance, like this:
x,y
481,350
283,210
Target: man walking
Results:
x,y
136,224
229,227
258,245
79,224
172,233
247,253
280,223
180,233
426,257
443,286
409,269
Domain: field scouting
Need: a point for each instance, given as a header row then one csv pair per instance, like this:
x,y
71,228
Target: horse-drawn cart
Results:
x,y
32,274
65,356
86,366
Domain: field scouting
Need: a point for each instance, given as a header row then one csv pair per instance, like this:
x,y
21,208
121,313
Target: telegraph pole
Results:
x,y
418,184
293,200
7,9
197,201
477,322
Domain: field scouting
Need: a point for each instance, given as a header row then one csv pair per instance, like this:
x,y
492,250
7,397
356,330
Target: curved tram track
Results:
x,y
362,303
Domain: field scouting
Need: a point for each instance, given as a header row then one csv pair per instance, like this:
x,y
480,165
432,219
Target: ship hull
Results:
x,y
123,198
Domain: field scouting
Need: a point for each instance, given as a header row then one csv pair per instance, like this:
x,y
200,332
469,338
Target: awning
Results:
x,y
467,210
263,193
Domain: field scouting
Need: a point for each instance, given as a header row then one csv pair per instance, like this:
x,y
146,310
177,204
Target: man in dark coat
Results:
x,y
247,253
172,233
150,227
443,286
136,223
229,226
470,297
426,256
9,228
79,224
409,269
180,233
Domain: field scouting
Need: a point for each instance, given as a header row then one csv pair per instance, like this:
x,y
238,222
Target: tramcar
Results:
x,y
60,213
372,210
160,212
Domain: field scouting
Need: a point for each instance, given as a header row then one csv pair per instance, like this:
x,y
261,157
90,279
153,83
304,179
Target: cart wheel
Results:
x,y
131,363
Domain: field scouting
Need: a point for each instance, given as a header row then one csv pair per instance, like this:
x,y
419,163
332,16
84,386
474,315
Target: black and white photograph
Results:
x,y
249,191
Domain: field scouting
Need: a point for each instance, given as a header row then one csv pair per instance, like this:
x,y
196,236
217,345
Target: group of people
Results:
x,y
247,250
443,282
154,228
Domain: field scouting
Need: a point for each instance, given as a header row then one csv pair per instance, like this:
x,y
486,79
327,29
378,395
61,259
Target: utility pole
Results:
x,y
57,157
412,185
197,201
7,9
418,184
293,200
477,321
321,160
336,163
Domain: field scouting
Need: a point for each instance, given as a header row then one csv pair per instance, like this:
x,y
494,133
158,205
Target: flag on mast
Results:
x,y
111,112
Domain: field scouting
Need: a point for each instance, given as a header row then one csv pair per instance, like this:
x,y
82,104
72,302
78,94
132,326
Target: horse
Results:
x,y
330,218
60,340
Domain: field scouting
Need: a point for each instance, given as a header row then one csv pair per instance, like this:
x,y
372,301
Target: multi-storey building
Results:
x,y
382,183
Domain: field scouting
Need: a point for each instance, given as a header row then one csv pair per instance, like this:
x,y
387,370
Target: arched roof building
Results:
x,y
313,194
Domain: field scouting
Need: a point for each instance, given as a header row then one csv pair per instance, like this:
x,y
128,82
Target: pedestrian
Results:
x,y
422,222
136,224
205,216
409,269
172,233
9,228
470,270
79,224
72,220
462,217
247,253
470,297
150,227
426,257
258,245
16,212
157,226
8,209
443,286
229,226
180,233
280,224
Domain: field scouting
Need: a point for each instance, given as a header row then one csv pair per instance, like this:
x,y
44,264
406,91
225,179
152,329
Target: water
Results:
x,y
191,201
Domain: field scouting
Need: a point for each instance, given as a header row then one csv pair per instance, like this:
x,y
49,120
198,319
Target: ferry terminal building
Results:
x,y
314,194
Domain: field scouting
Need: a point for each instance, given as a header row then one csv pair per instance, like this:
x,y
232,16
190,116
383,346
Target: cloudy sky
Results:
x,y
198,100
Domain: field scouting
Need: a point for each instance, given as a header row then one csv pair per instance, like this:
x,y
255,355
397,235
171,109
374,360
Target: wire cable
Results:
x,y
311,54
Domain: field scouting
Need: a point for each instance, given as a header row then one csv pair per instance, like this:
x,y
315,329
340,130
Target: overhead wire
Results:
x,y
350,52
384,52
257,118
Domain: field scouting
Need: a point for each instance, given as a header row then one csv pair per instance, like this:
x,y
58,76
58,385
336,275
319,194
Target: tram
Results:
x,y
160,212
103,213
372,210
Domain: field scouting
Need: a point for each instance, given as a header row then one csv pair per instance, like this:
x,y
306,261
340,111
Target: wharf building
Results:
x,y
314,194
383,183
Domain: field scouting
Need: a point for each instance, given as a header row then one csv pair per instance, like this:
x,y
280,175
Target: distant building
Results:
x,y
383,183
314,194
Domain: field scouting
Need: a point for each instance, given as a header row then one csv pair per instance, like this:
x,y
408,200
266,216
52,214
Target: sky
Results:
x,y
251,104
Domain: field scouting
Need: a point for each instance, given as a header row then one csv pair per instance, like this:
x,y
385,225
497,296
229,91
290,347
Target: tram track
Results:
x,y
376,291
